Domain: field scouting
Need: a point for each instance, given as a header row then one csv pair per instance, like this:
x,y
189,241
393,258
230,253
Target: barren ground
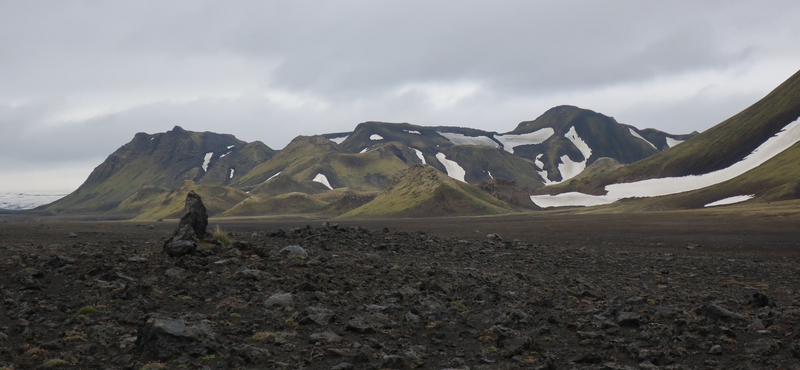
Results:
x,y
684,290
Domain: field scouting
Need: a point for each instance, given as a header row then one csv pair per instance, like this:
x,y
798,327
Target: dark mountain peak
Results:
x,y
562,117
310,141
177,130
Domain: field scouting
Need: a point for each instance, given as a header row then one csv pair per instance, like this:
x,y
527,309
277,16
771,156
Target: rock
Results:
x,y
60,261
628,319
666,312
166,338
279,300
294,251
176,273
194,220
715,350
369,324
343,366
759,300
715,312
316,315
249,274
137,259
151,227
325,337
72,235
180,248
494,237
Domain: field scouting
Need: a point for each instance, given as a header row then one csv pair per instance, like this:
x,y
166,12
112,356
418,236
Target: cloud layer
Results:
x,y
78,79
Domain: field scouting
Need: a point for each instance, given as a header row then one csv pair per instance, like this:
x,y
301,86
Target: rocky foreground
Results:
x,y
350,298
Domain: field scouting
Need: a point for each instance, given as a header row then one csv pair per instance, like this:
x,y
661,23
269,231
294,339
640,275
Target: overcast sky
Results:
x,y
79,78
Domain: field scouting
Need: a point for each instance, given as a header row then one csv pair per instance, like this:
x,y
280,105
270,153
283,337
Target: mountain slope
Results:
x,y
578,137
163,160
725,143
216,198
422,191
751,153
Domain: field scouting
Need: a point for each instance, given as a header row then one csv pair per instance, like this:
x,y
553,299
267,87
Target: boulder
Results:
x,y
194,220
165,338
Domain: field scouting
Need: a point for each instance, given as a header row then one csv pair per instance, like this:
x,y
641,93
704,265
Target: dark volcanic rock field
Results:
x,y
353,298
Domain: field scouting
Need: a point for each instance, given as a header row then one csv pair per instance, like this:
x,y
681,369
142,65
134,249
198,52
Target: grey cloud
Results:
x,y
206,65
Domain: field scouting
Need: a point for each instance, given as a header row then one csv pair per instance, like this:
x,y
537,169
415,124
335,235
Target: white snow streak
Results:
x,y
730,200
320,178
273,176
490,174
636,134
784,139
569,168
672,142
419,155
413,132
460,139
538,161
572,135
512,140
375,137
453,169
207,160
231,174
363,150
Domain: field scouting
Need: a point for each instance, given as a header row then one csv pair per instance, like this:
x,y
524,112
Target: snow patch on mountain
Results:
x,y
375,137
730,200
231,173
511,141
339,140
273,176
413,132
576,140
453,169
636,135
207,160
784,139
672,142
461,139
322,179
419,155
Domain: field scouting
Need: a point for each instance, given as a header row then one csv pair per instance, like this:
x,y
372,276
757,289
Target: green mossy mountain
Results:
x,y
138,179
216,198
284,204
423,191
164,160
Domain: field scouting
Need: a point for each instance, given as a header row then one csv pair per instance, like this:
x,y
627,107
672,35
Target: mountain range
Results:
x,y
405,170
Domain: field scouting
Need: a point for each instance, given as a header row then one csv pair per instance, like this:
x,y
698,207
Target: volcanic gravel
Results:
x,y
332,297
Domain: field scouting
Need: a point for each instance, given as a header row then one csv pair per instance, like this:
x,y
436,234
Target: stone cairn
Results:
x,y
191,228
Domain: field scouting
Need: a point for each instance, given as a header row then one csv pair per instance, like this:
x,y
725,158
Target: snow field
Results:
x,y
460,139
512,140
672,142
375,137
730,200
453,169
322,179
207,160
339,140
419,155
636,135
